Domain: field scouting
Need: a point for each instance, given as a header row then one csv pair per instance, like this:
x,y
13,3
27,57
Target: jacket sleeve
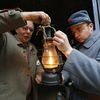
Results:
x,y
83,71
9,20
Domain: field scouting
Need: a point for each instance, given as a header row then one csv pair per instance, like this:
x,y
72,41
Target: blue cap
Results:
x,y
78,17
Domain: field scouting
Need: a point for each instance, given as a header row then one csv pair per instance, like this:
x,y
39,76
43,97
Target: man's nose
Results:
x,y
76,35
28,30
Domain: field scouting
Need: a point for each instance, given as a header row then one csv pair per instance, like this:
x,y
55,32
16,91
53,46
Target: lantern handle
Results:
x,y
46,30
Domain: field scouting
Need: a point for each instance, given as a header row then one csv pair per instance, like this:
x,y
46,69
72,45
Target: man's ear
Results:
x,y
91,26
16,30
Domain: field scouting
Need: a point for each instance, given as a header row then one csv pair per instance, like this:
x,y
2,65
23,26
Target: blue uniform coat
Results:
x,y
84,73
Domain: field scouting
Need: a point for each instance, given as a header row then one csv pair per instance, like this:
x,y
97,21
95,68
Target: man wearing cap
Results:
x,y
81,69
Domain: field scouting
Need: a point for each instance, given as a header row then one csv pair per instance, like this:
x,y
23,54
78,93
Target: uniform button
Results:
x,y
70,83
24,51
29,72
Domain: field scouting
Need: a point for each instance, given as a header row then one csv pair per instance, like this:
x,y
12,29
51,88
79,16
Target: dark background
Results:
x,y
59,10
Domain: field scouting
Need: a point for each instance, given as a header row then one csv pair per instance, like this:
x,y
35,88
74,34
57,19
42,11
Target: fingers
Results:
x,y
59,38
57,41
46,20
60,34
61,41
38,79
41,18
38,17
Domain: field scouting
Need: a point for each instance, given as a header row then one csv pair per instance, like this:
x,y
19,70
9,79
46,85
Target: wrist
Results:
x,y
67,52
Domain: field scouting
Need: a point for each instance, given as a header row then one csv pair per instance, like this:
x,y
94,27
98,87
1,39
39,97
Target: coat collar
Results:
x,y
20,44
90,41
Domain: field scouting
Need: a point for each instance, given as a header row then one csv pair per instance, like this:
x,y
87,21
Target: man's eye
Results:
x,y
25,28
31,29
80,29
72,32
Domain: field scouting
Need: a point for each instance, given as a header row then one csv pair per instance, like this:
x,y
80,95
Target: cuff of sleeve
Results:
x,y
65,76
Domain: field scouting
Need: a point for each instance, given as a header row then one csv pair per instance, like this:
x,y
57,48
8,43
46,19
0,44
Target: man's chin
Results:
x,y
26,40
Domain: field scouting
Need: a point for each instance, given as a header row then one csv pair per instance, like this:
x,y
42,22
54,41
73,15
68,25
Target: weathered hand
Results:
x,y
38,17
61,41
38,78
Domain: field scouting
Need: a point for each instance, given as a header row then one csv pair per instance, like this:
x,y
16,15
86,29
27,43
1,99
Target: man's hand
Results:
x,y
38,17
38,77
61,41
